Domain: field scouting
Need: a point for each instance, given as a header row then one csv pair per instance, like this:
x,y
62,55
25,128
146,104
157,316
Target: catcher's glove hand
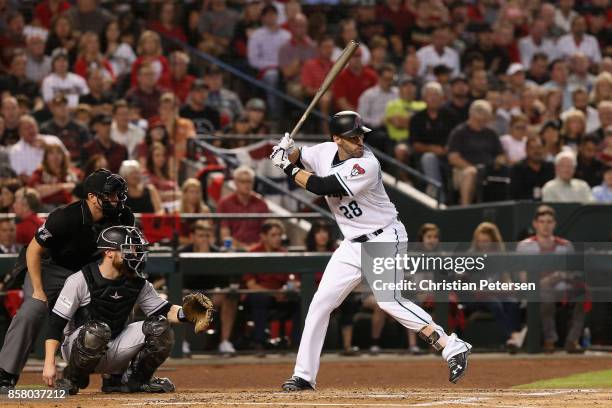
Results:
x,y
198,309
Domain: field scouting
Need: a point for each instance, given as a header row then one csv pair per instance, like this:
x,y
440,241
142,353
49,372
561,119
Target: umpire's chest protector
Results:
x,y
112,301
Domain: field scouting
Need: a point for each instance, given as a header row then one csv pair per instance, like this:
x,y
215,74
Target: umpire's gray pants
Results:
x,y
121,350
30,318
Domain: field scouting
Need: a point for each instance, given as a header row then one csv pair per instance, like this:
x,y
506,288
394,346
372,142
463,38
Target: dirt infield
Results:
x,y
382,381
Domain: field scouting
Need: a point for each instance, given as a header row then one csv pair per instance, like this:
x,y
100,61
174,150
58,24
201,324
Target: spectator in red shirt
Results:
x,y
46,10
55,178
352,82
271,240
167,22
114,153
242,232
27,204
90,56
145,96
314,71
13,38
180,81
150,52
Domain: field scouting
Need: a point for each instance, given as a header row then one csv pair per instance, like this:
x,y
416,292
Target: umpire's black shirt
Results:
x,y
69,234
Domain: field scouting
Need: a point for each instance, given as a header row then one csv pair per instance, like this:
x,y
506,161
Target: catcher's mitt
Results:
x,y
198,309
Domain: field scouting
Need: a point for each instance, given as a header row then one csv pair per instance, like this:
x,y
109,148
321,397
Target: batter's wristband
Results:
x,y
291,170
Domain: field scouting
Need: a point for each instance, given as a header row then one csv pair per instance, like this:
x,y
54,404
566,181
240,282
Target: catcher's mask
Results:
x,y
132,244
103,184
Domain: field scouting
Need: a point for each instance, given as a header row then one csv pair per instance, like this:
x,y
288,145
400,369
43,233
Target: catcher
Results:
x,y
93,309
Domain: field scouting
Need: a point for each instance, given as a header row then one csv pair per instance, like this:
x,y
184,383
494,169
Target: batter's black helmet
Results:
x,y
132,244
102,183
346,124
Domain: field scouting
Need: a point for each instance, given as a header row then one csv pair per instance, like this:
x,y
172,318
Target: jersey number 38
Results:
x,y
352,210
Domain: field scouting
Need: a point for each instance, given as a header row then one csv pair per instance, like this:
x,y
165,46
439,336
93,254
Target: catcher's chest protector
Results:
x,y
112,301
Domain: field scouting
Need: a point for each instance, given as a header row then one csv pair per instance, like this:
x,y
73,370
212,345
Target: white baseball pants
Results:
x,y
341,276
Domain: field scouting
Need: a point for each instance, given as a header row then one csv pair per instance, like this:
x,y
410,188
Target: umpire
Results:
x,y
61,247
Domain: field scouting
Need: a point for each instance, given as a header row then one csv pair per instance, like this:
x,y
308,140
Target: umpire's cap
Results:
x,y
103,181
347,124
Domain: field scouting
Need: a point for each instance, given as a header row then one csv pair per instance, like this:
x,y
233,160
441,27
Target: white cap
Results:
x,y
514,68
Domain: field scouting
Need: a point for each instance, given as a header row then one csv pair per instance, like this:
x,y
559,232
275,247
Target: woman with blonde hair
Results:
x,y
192,202
55,178
574,127
90,56
191,198
150,52
488,239
602,89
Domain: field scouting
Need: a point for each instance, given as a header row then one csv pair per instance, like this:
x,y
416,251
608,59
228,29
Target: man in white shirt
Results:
x,y
124,132
262,50
579,41
564,14
536,42
62,81
373,102
438,53
26,155
564,188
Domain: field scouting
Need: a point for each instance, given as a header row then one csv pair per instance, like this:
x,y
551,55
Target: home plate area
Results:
x,y
381,381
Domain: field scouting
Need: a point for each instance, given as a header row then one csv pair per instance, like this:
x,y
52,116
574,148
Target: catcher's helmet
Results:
x,y
132,244
347,124
102,183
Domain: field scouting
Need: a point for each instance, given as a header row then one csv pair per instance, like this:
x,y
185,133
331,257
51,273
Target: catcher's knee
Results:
x,y
94,337
431,337
158,333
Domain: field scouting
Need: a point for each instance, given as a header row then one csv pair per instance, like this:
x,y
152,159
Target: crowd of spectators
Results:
x,y
114,80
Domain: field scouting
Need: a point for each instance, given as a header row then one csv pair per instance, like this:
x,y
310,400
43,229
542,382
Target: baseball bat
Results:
x,y
346,55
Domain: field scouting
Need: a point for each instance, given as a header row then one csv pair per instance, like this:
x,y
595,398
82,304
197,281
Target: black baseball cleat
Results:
x,y
457,365
8,381
296,383
65,384
154,385
112,383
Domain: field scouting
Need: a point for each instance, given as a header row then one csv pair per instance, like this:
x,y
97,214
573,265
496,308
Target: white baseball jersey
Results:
x,y
365,206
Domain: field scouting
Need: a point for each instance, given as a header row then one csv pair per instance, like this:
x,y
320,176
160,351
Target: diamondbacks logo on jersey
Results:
x,y
44,233
357,170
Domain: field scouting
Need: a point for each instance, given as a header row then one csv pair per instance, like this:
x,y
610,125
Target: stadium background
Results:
x,y
177,96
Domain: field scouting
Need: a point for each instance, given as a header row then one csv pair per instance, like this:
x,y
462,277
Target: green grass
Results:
x,y
591,379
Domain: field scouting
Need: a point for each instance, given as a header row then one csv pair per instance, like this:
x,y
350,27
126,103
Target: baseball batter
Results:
x,y
349,176
92,311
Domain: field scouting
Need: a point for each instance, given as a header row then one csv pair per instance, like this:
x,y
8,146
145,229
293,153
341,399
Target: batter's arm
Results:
x,y
34,255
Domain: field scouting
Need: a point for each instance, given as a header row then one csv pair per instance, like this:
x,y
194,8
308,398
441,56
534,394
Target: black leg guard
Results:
x,y
159,339
87,350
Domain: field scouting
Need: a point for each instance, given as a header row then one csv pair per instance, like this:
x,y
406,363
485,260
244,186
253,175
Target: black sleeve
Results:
x,y
323,186
55,229
55,327
162,311
127,217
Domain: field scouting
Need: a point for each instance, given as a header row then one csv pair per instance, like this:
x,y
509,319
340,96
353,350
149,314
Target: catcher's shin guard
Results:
x,y
87,350
159,339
